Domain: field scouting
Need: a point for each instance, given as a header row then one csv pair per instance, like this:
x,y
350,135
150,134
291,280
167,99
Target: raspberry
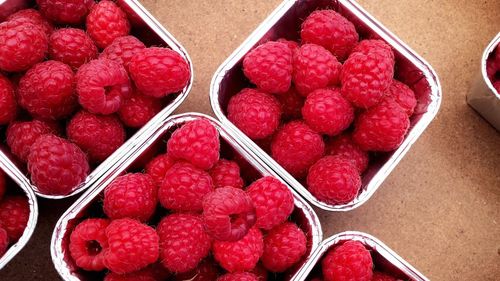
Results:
x,y
132,246
240,276
206,271
143,275
8,104
379,276
291,104
284,246
350,261
158,167
71,46
197,142
374,45
3,186
14,215
228,214
57,166
330,30
327,112
496,85
296,147
22,135
269,66
183,242
403,95
334,180
65,11
21,46
102,85
314,68
273,202
47,90
131,196
255,113
31,16
123,49
88,243
158,72
291,44
241,255
226,173
138,109
345,147
381,128
4,241
106,22
184,187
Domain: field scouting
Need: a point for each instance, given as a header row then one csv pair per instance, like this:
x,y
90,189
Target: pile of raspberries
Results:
x,y
320,107
209,224
69,96
493,68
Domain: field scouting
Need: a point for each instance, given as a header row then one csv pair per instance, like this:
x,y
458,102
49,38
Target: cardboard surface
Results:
x,y
440,208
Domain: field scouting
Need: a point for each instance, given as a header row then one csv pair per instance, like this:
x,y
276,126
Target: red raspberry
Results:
x,y
403,95
14,215
184,187
21,46
22,135
284,246
314,68
8,104
56,165
241,255
158,72
273,202
65,11
226,173
379,276
47,90
3,186
240,276
496,85
493,64
142,275
106,22
158,167
123,49
4,241
138,109
132,246
291,104
374,45
269,66
296,147
206,271
327,112
131,196
197,142
291,44
102,85
350,261
88,243
31,16
343,146
228,214
381,128
183,242
330,30
334,180
71,46
255,113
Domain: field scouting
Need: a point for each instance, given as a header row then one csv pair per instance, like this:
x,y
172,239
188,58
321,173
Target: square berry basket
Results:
x,y
152,143
410,69
146,28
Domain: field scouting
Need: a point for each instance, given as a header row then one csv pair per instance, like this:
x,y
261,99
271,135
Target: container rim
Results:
x,y
489,49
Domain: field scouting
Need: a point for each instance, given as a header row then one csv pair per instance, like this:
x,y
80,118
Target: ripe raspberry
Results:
x,y
142,275
269,66
197,142
284,246
31,16
22,135
334,180
131,196
379,276
403,95
331,30
350,261
21,46
226,173
381,128
291,104
313,68
123,49
184,187
71,46
207,270
14,215
102,85
158,167
228,214
88,243
239,276
8,104
255,113
65,11
291,44
4,241
343,146
132,246
374,45
183,242
158,72
3,186
327,112
138,109
56,165
296,147
241,255
273,202
47,90
496,85
106,22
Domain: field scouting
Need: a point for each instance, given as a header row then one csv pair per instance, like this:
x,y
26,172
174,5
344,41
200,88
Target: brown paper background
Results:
x,y
440,208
